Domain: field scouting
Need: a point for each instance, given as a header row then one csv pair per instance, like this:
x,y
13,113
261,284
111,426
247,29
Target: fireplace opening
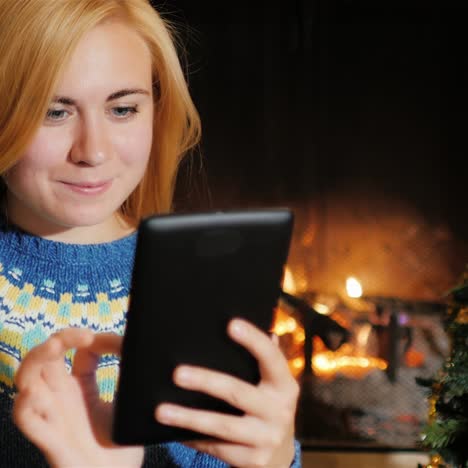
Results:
x,y
357,363
360,318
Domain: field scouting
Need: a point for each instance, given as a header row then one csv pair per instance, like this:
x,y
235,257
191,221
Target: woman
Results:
x,y
95,119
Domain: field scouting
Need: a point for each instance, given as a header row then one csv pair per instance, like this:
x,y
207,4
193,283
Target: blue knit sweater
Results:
x,y
46,286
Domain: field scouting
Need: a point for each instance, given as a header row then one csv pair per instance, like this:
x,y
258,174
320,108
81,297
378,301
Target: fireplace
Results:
x,y
360,319
358,372
350,113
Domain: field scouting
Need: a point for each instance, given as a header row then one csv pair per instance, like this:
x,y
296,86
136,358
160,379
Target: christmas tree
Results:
x,y
446,434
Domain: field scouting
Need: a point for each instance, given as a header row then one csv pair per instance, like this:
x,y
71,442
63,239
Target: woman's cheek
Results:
x,y
135,147
48,150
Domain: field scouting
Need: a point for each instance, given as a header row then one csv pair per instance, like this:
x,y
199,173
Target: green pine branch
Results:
x,y
441,434
459,292
456,385
447,434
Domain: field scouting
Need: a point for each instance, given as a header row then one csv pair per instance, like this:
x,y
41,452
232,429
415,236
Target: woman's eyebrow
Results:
x,y
117,95
63,100
127,92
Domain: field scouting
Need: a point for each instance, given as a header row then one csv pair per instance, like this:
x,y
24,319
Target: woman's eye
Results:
x,y
123,112
56,114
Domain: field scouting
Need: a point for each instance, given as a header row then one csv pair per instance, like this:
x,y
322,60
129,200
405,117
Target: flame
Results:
x,y
284,323
289,285
296,366
362,336
322,308
350,360
353,287
285,326
328,363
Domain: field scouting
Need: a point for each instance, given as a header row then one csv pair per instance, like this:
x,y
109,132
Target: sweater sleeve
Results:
x,y
202,460
178,455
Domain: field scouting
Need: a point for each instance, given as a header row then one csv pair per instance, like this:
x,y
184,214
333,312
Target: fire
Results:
x,y
329,364
349,360
322,308
285,324
343,361
353,287
289,285
296,366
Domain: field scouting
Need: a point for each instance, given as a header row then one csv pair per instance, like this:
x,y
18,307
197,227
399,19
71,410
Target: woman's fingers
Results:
x,y
50,354
236,392
34,426
264,434
34,411
235,429
46,360
37,400
275,339
86,359
277,388
273,366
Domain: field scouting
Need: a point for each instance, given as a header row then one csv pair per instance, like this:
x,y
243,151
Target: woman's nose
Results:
x,y
92,146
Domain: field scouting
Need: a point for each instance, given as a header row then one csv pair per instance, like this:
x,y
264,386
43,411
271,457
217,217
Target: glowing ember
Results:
x,y
353,287
296,366
350,360
285,326
289,285
328,363
322,308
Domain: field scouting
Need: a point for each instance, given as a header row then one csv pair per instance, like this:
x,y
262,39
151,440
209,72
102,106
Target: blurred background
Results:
x,y
352,114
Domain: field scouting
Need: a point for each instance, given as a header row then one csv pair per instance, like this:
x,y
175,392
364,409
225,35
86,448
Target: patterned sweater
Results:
x,y
46,286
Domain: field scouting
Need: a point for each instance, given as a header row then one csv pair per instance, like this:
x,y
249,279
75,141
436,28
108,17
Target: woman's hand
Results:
x,y
62,413
264,435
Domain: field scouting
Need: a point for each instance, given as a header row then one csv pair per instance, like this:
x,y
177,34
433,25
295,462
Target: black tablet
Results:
x,y
192,274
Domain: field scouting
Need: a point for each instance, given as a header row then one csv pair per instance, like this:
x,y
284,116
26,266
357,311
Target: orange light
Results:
x,y
289,285
329,363
353,287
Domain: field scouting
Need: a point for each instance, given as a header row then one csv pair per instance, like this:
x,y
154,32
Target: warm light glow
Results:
x,y
322,308
296,366
289,285
298,363
328,363
299,336
285,323
362,336
284,326
353,287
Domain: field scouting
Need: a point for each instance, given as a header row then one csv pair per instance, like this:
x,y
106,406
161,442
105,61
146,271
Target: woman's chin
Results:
x,y
80,227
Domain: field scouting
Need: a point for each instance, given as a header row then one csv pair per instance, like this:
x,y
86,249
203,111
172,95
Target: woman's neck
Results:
x,y
114,228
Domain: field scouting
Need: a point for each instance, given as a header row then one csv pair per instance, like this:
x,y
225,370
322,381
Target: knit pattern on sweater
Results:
x,y
46,286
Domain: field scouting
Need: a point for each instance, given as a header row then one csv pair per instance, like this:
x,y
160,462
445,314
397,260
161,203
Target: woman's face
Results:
x,y
94,143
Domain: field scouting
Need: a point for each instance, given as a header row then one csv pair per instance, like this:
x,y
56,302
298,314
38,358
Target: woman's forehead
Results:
x,y
110,57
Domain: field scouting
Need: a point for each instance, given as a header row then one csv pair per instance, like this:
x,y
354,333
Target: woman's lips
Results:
x,y
88,188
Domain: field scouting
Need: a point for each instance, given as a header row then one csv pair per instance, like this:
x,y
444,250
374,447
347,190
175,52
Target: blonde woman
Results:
x,y
95,117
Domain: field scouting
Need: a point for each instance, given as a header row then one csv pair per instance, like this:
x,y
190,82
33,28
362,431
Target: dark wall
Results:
x,y
299,99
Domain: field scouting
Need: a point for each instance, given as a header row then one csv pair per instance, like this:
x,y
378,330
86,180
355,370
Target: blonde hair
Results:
x,y
37,39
